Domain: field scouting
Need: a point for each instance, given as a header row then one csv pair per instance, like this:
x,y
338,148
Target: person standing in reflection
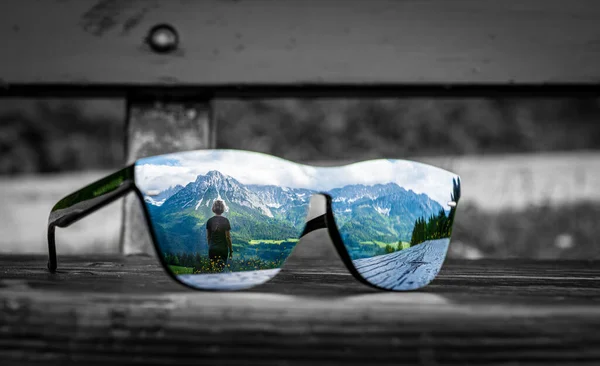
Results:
x,y
218,237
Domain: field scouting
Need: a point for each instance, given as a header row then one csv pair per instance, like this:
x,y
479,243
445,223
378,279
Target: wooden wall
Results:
x,y
91,42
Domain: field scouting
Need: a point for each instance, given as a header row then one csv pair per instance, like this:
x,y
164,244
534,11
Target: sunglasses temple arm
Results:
x,y
85,201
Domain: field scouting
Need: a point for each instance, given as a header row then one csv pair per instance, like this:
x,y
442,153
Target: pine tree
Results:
x,y
435,227
455,196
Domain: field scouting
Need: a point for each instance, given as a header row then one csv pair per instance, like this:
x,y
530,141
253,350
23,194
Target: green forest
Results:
x,y
436,226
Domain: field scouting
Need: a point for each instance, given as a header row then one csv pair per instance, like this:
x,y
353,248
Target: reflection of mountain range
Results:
x,y
380,212
160,198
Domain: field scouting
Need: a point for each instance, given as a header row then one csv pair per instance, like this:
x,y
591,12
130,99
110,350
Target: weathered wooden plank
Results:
x,y
406,269
88,42
115,309
303,90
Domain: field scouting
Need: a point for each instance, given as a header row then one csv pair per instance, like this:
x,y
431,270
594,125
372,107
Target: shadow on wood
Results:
x,y
120,309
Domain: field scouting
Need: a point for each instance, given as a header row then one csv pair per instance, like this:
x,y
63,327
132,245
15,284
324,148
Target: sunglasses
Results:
x,y
228,219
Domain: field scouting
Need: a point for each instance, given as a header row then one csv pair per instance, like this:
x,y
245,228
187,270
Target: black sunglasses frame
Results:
x,y
91,198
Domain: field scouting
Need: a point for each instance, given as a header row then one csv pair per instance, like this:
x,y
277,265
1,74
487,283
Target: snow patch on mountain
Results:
x,y
255,202
161,197
389,200
383,211
187,203
278,198
154,202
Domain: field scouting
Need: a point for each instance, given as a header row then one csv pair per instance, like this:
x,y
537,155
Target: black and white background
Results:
x,y
82,94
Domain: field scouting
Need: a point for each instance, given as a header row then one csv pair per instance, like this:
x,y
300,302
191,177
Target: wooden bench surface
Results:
x,y
100,309
92,43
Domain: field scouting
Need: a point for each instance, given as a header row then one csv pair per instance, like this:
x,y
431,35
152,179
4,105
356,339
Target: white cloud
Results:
x,y
166,171
161,177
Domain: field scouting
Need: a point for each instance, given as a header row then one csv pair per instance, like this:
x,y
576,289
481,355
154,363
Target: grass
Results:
x,y
382,244
405,245
263,241
178,270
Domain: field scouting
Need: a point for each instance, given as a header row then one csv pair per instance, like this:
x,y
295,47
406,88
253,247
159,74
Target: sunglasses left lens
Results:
x,y
214,226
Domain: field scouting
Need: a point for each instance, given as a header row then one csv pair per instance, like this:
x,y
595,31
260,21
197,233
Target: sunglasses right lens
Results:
x,y
396,224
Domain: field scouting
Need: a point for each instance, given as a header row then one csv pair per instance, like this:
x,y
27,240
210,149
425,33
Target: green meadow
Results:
x,y
179,270
381,244
263,241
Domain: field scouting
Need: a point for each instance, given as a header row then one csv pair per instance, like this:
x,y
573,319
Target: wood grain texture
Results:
x,y
101,309
90,42
406,269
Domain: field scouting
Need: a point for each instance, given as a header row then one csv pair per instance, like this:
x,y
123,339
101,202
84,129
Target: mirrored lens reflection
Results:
x,y
397,221
222,220
228,219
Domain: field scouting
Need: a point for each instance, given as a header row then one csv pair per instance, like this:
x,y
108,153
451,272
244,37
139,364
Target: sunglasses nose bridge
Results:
x,y
317,206
315,216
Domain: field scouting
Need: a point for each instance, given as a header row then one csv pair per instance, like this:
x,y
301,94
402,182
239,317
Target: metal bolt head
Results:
x,y
163,38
